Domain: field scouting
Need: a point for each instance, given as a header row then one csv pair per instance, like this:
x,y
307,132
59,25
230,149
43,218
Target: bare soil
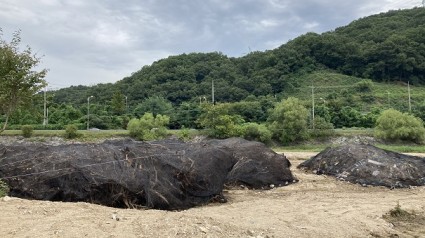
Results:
x,y
316,206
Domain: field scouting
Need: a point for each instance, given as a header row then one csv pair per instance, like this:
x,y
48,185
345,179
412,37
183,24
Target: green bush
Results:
x,y
364,86
4,188
289,121
184,134
254,131
226,126
27,131
219,122
393,125
148,127
71,132
322,128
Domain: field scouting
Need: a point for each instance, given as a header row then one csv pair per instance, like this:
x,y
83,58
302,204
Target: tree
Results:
x,y
394,125
154,105
258,132
219,123
186,115
19,81
64,114
288,121
118,104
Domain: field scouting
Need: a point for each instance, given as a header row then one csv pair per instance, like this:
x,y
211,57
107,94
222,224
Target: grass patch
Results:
x,y
101,134
301,148
84,134
403,148
349,132
320,147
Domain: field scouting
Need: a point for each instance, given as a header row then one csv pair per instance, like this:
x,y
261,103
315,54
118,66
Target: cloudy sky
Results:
x,y
86,42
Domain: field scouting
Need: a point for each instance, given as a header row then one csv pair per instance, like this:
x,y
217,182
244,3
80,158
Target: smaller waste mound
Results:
x,y
368,165
256,166
168,174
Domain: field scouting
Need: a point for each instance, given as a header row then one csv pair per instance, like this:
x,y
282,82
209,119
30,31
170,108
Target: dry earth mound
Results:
x,y
368,165
167,174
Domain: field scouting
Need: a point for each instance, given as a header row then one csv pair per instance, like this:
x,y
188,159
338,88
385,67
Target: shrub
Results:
x,y
322,128
4,188
71,132
226,126
184,134
27,131
148,127
393,125
133,127
366,85
254,131
288,121
219,122
397,211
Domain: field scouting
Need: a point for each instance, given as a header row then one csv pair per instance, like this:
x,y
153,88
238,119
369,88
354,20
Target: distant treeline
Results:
x,y
385,47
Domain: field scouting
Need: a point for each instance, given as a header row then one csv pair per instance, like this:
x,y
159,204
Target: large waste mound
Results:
x,y
368,165
167,174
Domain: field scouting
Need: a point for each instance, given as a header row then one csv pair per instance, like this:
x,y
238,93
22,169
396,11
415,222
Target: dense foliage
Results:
x,y
149,127
27,130
394,125
71,131
19,80
289,121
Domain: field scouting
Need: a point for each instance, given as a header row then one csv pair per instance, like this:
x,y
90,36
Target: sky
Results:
x,y
87,42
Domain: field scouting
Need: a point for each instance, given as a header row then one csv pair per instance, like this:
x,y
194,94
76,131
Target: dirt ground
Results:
x,y
316,206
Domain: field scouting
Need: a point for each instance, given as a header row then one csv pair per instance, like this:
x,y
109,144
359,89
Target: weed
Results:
x,y
4,188
71,132
399,214
27,131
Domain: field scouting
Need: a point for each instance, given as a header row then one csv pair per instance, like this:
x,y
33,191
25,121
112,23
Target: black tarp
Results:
x,y
368,165
168,174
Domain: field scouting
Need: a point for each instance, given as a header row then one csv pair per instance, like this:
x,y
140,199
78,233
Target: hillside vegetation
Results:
x,y
351,73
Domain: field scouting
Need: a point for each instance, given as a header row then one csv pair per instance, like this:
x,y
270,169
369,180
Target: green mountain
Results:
x,y
386,48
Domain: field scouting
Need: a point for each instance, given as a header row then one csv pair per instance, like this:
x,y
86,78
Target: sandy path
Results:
x,y
317,206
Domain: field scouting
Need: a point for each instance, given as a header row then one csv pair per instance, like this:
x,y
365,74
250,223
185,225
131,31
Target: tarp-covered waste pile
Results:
x,y
168,174
368,165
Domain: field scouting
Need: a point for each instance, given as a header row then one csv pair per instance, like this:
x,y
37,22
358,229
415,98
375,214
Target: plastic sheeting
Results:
x,y
368,165
167,174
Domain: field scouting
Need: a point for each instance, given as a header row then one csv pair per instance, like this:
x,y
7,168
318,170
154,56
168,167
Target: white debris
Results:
x,y
374,162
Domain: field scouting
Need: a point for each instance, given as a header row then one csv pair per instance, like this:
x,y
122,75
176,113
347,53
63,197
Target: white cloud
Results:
x,y
310,25
269,23
107,35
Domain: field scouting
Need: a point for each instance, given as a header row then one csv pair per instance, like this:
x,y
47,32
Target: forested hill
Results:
x,y
385,47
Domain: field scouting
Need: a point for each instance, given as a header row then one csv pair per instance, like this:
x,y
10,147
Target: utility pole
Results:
x,y
312,101
88,112
408,90
212,92
45,109
423,3
126,105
